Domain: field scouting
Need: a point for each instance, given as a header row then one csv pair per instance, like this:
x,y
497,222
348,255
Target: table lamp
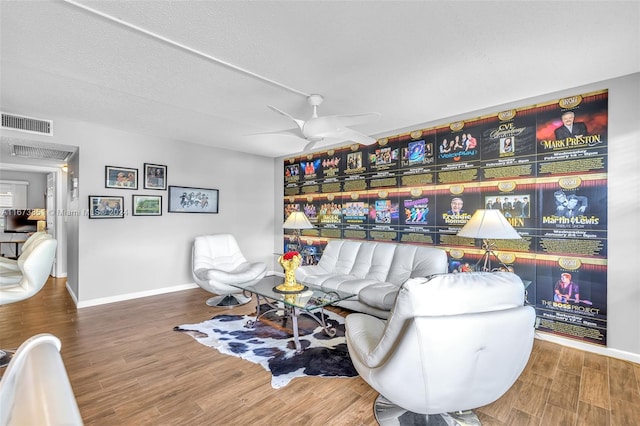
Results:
x,y
297,221
489,225
39,215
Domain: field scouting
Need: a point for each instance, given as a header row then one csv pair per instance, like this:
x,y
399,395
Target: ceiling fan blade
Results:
x,y
348,120
299,122
289,132
353,136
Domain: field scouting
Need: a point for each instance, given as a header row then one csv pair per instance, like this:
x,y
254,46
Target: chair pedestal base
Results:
x,y
388,414
5,357
228,300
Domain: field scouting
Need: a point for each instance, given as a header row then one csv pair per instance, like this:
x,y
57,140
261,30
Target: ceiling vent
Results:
x,y
41,153
27,124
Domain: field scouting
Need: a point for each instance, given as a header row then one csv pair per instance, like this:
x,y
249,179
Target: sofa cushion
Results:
x,y
347,283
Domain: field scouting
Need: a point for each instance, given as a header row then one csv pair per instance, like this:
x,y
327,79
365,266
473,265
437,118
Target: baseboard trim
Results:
x,y
71,293
587,347
137,295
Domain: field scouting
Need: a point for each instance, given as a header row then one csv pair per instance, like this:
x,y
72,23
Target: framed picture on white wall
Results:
x,y
185,199
155,176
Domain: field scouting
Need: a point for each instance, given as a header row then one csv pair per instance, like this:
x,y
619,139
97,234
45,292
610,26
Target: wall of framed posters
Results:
x,y
544,166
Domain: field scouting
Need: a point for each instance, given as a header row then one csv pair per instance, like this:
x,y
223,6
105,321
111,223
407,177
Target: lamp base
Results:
x,y
485,260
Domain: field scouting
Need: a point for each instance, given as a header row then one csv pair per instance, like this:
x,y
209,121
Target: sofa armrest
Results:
x,y
381,296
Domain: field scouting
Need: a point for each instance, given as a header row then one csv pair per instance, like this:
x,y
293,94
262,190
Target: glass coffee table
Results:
x,y
292,305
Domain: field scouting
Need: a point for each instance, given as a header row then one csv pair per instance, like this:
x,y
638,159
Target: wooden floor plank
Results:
x,y
128,367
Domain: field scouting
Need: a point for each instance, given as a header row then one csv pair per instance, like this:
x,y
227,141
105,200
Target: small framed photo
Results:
x,y
106,207
121,177
185,199
146,205
155,176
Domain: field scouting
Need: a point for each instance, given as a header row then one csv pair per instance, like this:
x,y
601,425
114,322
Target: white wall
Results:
x,y
116,259
35,190
623,279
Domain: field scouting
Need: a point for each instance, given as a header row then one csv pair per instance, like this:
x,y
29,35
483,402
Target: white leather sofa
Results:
x,y
373,271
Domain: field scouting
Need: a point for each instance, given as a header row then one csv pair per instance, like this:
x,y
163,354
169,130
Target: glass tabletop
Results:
x,y
312,298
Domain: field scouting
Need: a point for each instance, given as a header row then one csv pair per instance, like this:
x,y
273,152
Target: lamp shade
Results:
x,y
489,224
37,214
297,220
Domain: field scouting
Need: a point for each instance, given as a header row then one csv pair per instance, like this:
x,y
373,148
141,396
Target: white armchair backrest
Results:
x,y
35,265
12,264
447,295
35,388
459,362
453,342
35,237
219,251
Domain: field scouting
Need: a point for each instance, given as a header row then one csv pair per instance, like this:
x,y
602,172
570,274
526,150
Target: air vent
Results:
x,y
27,124
42,153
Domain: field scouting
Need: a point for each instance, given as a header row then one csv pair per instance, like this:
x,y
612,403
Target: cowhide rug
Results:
x,y
270,344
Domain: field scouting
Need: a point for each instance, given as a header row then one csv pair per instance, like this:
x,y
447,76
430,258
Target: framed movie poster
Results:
x,y
106,207
185,199
121,177
155,176
146,205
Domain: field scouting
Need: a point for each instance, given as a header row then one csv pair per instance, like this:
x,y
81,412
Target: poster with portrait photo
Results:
x,y
310,167
383,165
332,164
383,216
457,153
571,299
509,135
290,205
457,143
310,208
416,211
384,211
455,210
291,172
329,209
383,158
417,152
311,250
355,211
356,161
516,206
575,126
573,205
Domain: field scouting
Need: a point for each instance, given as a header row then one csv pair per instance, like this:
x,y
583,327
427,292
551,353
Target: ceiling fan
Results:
x,y
331,128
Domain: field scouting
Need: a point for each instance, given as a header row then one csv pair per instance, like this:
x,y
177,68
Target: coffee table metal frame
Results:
x,y
293,304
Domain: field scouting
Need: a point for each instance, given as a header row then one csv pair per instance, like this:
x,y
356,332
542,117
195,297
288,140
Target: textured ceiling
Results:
x,y
413,62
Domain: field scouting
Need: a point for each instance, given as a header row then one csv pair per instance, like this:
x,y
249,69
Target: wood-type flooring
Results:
x,y
128,367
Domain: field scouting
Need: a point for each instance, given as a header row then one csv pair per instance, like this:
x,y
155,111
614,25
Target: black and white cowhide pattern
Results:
x,y
270,344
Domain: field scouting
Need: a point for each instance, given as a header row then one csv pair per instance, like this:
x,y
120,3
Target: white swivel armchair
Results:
x,y
12,264
218,263
34,268
35,388
452,343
